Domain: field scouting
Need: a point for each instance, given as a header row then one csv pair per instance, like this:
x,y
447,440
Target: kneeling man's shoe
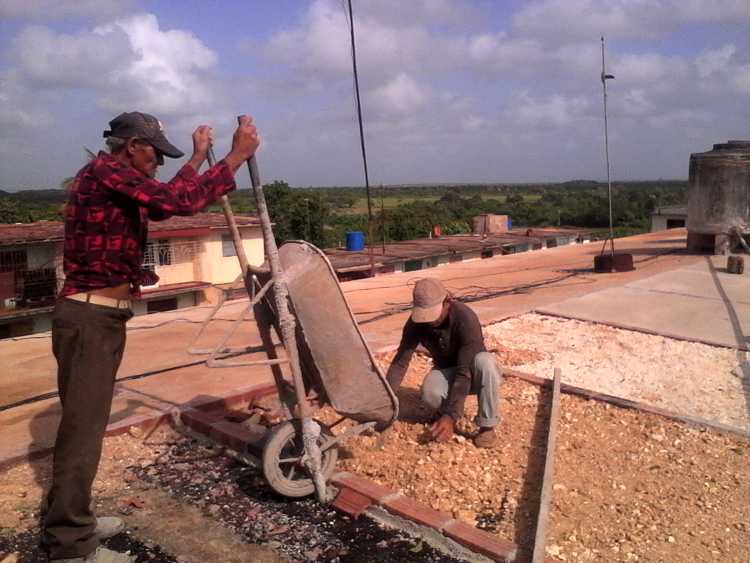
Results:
x,y
486,438
108,526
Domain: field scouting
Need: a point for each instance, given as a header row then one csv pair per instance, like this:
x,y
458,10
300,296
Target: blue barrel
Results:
x,y
355,240
510,223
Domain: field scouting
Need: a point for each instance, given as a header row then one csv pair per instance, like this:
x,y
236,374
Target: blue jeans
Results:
x,y
485,380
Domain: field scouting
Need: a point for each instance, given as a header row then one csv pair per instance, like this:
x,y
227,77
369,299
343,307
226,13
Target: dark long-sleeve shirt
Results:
x,y
452,344
106,218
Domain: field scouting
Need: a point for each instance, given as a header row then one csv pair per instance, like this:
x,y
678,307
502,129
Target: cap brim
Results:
x,y
165,147
426,314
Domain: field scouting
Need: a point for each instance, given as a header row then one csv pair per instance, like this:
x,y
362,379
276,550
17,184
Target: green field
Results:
x,y
393,201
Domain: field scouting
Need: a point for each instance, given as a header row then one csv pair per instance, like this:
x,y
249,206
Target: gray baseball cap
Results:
x,y
142,126
429,295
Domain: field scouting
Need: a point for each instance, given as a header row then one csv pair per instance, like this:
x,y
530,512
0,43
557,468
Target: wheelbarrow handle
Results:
x,y
252,166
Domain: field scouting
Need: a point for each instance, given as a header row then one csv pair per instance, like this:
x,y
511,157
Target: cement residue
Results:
x,y
683,377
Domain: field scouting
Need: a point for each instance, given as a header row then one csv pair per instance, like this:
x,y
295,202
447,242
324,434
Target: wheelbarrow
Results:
x,y
298,295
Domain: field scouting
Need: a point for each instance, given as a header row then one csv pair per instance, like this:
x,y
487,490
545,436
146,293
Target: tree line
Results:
x,y
324,215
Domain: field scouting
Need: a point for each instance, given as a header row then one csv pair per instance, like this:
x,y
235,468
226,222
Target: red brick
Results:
x,y
480,541
410,509
363,486
353,503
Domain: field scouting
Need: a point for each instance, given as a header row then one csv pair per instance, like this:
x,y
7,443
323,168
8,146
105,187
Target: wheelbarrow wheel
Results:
x,y
282,460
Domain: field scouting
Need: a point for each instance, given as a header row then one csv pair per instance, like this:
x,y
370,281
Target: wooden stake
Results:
x,y
549,471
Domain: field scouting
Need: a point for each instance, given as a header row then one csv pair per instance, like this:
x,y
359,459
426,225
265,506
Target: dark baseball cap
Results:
x,y
142,126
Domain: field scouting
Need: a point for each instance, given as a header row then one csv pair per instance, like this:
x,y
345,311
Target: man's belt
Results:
x,y
101,300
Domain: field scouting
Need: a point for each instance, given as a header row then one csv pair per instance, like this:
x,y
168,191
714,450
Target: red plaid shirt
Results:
x,y
106,218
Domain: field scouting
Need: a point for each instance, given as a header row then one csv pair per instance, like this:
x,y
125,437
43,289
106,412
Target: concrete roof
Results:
x,y
52,231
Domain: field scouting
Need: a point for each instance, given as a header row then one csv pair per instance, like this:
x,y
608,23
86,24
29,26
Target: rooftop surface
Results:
x,y
158,374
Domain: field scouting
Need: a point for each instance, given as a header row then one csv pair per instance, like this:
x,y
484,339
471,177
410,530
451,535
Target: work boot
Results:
x,y
101,555
485,438
108,526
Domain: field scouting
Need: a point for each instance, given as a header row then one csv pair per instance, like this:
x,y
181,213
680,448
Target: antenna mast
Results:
x,y
605,77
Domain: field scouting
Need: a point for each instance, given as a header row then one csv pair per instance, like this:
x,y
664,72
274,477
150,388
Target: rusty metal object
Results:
x,y
735,264
616,262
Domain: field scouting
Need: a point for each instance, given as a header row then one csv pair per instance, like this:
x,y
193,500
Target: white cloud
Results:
x,y
397,13
130,63
589,18
496,51
50,59
52,9
712,11
715,61
543,112
472,123
320,45
402,95
165,74
650,68
623,19
18,110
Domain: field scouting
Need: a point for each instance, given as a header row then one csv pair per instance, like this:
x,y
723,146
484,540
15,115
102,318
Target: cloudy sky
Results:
x,y
452,90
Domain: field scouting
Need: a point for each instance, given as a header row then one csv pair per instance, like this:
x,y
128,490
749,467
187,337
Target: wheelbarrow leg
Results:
x,y
264,320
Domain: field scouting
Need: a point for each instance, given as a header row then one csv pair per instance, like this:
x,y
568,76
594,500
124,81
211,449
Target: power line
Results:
x,y
361,137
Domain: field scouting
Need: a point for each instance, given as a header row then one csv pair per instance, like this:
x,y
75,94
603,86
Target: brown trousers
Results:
x,y
88,342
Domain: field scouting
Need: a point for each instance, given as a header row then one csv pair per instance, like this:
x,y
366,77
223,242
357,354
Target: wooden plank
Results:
x,y
542,521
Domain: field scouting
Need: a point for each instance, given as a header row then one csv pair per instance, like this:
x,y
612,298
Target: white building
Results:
x,y
668,217
191,255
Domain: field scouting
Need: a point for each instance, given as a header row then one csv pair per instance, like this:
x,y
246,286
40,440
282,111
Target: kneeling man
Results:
x,y
451,333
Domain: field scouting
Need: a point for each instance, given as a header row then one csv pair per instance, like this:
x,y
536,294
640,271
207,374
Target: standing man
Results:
x,y
106,229
451,333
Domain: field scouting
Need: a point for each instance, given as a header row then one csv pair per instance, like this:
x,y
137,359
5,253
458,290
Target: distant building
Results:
x,y
419,254
191,255
669,217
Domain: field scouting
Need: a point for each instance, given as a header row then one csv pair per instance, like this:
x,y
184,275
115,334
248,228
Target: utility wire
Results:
x,y
362,138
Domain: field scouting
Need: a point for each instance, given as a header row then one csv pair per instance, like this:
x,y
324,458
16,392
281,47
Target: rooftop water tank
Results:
x,y
718,196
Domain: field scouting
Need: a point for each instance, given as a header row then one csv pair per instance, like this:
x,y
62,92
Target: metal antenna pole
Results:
x,y
606,77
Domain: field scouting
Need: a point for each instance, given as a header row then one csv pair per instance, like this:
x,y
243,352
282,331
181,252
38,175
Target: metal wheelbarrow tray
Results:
x,y
335,355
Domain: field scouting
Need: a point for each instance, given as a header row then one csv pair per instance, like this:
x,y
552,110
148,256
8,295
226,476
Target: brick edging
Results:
x,y
357,494
405,507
